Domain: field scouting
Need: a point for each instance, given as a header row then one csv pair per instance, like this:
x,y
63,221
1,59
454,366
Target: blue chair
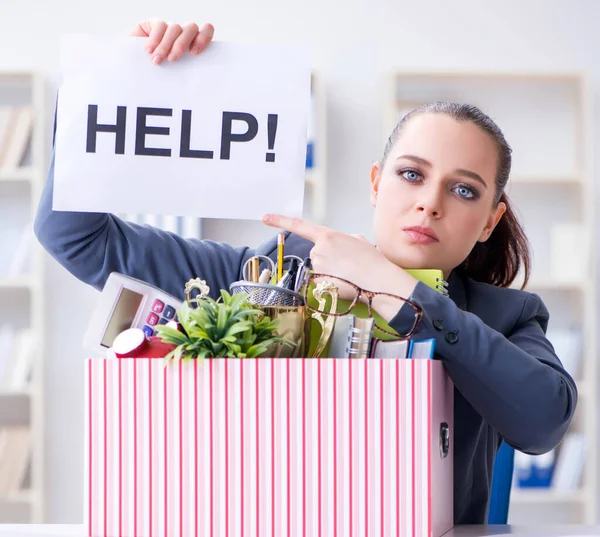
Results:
x,y
502,476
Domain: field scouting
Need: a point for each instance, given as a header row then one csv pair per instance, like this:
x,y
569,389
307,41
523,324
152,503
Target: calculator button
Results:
x,y
152,319
169,312
158,306
148,331
163,321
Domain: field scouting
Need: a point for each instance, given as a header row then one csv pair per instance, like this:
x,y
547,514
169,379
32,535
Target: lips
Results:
x,y
421,235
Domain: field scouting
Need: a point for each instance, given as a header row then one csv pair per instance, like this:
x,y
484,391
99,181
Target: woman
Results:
x,y
438,196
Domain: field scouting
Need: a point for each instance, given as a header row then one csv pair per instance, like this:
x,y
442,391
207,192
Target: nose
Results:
x,y
431,212
430,202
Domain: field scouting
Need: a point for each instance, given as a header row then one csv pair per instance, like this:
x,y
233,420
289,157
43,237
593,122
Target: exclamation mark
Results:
x,y
271,132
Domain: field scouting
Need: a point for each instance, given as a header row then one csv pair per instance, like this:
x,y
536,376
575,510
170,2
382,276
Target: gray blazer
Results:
x,y
509,383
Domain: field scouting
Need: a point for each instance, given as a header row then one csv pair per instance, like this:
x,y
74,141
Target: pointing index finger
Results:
x,y
305,229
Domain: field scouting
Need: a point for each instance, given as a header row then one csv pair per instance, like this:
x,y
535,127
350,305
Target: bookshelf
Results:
x,y
22,159
546,119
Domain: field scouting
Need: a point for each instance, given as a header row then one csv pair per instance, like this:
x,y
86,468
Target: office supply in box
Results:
x,y
268,446
127,302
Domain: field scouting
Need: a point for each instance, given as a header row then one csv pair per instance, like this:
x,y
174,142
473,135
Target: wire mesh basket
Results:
x,y
263,294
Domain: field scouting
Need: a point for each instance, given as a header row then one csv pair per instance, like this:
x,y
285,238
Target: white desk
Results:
x,y
521,531
77,530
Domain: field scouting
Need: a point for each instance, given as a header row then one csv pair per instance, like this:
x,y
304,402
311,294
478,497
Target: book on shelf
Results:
x,y
5,126
188,227
21,257
568,346
17,124
15,457
533,471
7,338
17,354
568,475
561,469
17,351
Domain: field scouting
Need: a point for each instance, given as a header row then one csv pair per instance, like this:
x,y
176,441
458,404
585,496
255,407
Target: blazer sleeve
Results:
x,y
92,245
515,382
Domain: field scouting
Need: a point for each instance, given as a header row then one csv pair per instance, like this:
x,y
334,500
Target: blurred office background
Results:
x,y
533,65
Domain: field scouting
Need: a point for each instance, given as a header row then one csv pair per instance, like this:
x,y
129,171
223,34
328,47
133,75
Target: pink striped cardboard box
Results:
x,y
284,447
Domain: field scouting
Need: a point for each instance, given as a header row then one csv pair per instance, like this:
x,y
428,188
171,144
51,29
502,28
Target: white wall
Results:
x,y
354,45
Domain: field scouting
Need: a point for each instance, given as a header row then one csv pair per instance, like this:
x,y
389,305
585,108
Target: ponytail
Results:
x,y
499,260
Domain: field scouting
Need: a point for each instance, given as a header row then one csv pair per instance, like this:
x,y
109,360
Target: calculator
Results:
x,y
126,302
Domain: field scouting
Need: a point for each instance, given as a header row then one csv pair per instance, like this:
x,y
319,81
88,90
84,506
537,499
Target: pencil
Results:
x,y
280,242
255,266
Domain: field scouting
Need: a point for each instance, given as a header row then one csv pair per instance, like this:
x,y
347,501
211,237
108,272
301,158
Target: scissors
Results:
x,y
286,261
268,264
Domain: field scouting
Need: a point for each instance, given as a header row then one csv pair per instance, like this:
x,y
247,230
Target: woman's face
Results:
x,y
434,197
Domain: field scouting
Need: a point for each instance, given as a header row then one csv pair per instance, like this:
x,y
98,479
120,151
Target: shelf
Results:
x,y
26,293
18,282
15,409
533,76
7,394
545,180
546,119
535,285
538,495
312,177
18,175
15,511
25,496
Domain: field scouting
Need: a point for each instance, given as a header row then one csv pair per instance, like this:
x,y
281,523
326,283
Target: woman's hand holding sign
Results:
x,y
350,257
171,41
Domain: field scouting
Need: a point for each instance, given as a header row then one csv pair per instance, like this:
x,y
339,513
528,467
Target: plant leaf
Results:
x,y
170,335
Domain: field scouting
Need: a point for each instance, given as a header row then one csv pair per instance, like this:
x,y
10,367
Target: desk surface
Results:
x,y
77,530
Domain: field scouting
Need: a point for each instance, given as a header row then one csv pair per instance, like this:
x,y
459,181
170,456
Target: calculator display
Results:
x,y
123,314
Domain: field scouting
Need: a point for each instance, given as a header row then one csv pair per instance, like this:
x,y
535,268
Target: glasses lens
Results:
x,y
318,294
404,324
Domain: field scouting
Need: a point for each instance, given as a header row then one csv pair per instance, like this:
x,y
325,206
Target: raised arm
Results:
x,y
92,245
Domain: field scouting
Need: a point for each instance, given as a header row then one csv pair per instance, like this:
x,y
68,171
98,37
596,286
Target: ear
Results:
x,y
492,222
375,180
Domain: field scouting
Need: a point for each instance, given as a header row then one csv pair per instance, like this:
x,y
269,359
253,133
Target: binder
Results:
x,y
341,337
362,333
433,278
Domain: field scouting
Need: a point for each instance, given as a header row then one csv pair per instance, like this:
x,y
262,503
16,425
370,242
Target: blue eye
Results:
x,y
465,192
410,175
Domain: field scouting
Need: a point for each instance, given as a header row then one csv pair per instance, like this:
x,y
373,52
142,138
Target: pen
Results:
x,y
287,282
280,242
306,265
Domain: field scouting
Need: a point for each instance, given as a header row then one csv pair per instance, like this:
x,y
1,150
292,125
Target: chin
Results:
x,y
414,259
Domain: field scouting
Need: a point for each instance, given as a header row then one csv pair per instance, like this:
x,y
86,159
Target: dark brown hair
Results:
x,y
498,260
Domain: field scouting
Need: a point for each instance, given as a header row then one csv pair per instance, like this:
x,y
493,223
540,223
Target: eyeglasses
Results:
x,y
349,296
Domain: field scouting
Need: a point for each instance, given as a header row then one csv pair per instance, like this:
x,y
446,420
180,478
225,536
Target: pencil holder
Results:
x,y
262,294
294,326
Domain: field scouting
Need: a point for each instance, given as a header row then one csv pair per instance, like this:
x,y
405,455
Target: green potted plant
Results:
x,y
229,327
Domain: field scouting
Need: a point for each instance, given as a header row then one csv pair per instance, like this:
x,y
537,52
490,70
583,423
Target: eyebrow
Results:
x,y
460,171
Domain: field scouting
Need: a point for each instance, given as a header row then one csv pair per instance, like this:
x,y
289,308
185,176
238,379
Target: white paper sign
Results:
x,y
218,135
